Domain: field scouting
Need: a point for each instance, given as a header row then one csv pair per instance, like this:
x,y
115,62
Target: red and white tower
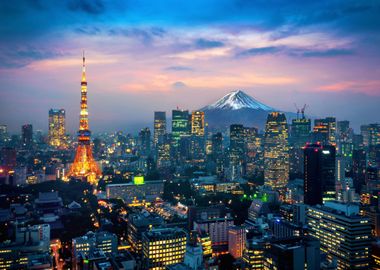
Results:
x,y
84,166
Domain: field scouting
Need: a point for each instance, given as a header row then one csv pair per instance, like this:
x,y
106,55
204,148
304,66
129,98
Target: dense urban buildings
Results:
x,y
162,180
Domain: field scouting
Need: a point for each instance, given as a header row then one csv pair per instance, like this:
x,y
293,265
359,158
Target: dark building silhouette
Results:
x,y
319,173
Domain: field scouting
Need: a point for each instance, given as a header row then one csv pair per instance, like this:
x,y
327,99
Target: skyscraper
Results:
x,y
276,151
198,123
180,125
237,150
319,173
299,136
27,136
217,153
144,142
57,127
159,127
324,130
84,166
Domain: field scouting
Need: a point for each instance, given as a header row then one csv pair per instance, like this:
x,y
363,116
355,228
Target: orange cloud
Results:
x,y
369,87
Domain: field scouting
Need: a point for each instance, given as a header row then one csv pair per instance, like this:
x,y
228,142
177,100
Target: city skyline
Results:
x,y
154,57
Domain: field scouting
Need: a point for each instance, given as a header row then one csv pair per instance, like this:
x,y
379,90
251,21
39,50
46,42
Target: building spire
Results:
x,y
84,68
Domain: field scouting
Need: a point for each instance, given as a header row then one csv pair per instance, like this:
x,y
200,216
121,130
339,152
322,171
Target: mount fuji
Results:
x,y
236,108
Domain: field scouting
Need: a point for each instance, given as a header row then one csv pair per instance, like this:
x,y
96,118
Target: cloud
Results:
x,y
179,68
371,87
202,43
23,56
93,7
327,53
296,52
258,51
179,85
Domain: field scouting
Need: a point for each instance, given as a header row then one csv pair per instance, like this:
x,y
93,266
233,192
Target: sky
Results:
x,y
148,55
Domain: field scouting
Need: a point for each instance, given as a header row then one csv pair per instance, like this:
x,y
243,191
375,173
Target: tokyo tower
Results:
x,y
84,166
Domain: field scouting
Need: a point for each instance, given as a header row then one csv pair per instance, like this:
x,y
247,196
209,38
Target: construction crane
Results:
x,y
300,110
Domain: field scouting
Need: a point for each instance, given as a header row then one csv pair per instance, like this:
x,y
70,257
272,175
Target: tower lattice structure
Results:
x,y
84,166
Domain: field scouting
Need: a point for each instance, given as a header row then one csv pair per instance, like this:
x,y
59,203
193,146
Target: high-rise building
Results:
x,y
144,142
57,128
198,123
237,151
162,247
27,136
276,151
319,173
137,224
324,130
159,127
371,134
236,241
251,151
295,253
163,152
359,165
344,235
84,166
180,125
299,136
217,153
3,133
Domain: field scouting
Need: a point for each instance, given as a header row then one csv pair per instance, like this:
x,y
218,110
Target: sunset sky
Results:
x,y
152,55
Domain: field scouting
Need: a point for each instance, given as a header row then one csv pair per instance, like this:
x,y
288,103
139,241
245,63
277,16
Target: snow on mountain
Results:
x,y
237,100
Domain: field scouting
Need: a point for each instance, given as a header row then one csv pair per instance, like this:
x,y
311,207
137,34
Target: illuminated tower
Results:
x,y
84,165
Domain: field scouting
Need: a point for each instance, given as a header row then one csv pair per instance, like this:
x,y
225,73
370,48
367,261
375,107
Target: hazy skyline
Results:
x,y
156,55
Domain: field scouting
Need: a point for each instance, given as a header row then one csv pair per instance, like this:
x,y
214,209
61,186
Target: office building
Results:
x,y
324,130
299,136
57,128
344,235
295,253
236,241
217,228
144,144
143,191
27,136
319,173
237,151
198,123
90,242
162,247
217,153
276,151
180,125
137,224
159,127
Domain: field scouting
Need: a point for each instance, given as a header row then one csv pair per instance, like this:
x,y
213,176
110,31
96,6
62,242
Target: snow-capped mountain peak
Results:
x,y
236,100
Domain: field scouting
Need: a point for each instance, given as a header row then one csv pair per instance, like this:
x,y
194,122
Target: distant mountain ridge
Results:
x,y
237,107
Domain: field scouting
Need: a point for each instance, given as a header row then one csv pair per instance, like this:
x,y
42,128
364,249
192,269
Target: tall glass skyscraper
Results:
x,y
276,151
180,125
57,128
159,127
